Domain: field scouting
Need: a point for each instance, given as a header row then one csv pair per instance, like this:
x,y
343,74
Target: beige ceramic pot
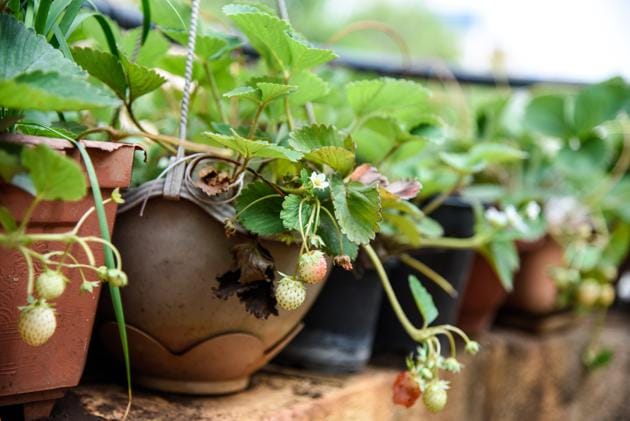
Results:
x,y
182,337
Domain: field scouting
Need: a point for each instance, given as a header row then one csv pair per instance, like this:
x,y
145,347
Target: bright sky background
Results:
x,y
581,39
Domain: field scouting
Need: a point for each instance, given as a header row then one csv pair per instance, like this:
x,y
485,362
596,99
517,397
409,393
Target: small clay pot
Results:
x,y
534,291
36,376
182,338
482,299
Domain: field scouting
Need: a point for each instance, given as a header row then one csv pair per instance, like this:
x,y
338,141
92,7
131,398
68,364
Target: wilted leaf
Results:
x,y
254,261
212,181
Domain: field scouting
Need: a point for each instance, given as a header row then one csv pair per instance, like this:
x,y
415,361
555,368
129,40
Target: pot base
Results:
x,y
193,387
539,323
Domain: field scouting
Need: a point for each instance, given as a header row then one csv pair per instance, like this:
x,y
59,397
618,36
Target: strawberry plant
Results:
x,y
571,186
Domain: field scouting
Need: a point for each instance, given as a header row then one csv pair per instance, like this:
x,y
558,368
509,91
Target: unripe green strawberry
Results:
x,y
50,284
312,267
606,295
117,277
435,396
588,292
37,323
290,293
102,273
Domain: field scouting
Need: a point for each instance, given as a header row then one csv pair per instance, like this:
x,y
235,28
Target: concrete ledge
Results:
x,y
517,376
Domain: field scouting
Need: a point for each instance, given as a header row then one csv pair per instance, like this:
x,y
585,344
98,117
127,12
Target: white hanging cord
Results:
x,y
190,56
282,10
284,15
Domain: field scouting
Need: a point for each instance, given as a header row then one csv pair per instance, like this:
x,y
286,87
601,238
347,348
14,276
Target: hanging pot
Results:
x,y
182,337
36,376
457,220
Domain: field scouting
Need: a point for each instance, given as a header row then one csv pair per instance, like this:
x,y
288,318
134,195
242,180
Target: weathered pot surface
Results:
x,y
182,337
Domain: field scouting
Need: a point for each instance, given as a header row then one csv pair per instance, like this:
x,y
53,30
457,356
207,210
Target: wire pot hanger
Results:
x,y
180,172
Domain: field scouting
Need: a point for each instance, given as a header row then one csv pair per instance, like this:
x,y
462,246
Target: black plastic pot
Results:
x,y
339,329
457,219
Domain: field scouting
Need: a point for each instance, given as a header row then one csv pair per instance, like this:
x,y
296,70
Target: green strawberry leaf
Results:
x,y
290,214
6,220
141,80
618,245
316,136
337,158
22,52
103,66
423,300
310,88
430,228
357,209
52,92
34,75
155,47
402,228
503,257
462,162
401,99
598,103
9,165
55,176
208,45
547,114
254,148
377,136
335,242
272,91
248,92
261,92
274,39
495,153
258,208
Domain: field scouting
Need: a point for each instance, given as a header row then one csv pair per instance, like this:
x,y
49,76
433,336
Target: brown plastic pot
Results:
x,y
183,338
483,296
534,291
36,376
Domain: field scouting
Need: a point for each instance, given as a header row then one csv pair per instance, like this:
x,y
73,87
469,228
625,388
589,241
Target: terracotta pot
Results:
x,y
182,337
482,298
534,291
37,376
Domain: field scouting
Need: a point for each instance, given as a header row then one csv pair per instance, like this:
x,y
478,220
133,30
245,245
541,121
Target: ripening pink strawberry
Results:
x,y
312,267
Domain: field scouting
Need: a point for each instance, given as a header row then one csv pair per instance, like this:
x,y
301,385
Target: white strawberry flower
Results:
x,y
319,180
532,210
496,217
514,219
